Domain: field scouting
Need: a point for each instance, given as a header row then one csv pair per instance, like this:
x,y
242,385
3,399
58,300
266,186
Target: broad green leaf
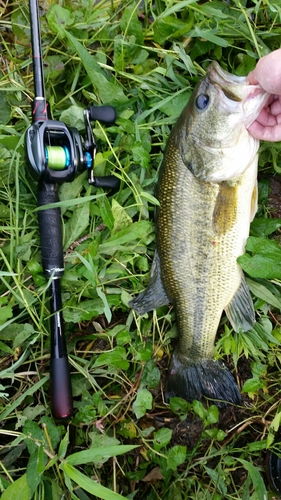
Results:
x,y
77,224
151,375
98,454
131,24
116,358
261,291
88,484
170,27
179,406
256,478
149,197
35,436
20,28
162,438
35,469
84,311
5,108
121,217
176,456
265,261
108,91
138,231
6,312
58,18
54,431
276,422
27,331
212,415
106,211
142,403
4,347
263,227
253,385
18,490
73,116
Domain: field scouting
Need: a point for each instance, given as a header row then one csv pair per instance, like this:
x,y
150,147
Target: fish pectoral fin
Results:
x,y
240,310
254,202
154,295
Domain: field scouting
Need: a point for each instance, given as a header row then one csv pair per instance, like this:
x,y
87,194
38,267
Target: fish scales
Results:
x,y
207,191
200,278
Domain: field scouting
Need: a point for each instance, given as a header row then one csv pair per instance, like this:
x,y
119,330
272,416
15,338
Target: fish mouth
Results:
x,y
231,85
236,89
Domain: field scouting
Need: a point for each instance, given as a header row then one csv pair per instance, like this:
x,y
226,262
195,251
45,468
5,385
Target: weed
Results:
x,y
124,440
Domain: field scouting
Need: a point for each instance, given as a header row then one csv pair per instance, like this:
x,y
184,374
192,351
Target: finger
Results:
x,y
251,78
275,107
271,134
268,72
266,118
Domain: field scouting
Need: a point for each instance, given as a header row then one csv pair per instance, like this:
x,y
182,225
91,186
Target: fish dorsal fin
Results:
x,y
154,295
240,310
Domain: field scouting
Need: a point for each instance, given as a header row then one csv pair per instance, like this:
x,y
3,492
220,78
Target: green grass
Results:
x,y
123,440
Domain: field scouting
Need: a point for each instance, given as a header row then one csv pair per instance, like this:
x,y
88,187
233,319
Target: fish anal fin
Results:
x,y
154,295
240,310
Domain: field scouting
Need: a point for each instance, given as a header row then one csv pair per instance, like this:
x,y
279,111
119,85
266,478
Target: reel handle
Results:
x,y
50,231
107,182
104,114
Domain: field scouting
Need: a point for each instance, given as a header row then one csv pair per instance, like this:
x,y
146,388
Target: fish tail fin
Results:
x,y
206,378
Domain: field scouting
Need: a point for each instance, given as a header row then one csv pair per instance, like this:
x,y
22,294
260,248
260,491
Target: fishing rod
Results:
x,y
55,154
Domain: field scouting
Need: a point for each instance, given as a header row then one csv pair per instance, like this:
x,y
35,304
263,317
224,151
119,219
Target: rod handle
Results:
x,y
50,231
61,391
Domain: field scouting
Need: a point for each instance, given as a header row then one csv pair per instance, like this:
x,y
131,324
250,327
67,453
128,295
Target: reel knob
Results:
x,y
104,114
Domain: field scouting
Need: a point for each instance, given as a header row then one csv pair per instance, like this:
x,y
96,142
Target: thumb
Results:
x,y
251,78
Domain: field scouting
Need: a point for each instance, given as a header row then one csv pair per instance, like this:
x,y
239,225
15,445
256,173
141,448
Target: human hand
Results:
x,y
267,74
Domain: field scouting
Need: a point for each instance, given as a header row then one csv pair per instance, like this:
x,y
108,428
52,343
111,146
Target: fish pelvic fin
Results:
x,y
154,295
205,378
240,310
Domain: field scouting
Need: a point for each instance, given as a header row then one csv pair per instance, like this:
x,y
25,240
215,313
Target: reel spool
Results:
x,y
57,157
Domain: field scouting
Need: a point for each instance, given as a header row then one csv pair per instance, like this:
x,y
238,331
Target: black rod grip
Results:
x,y
61,391
50,231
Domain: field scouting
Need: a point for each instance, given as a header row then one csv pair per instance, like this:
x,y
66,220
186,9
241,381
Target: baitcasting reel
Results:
x,y
56,152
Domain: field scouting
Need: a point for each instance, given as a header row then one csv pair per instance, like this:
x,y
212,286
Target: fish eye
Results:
x,y
202,102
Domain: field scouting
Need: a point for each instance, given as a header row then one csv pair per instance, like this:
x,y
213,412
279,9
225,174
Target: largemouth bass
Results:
x,y
207,191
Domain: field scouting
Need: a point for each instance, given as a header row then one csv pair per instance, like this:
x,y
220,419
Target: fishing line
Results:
x,y
57,157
